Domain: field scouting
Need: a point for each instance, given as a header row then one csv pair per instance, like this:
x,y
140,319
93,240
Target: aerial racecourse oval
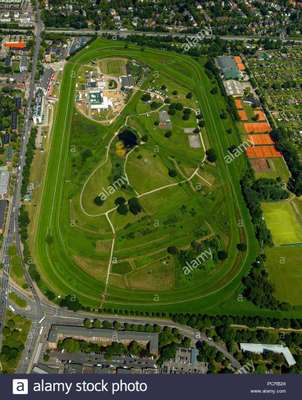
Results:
x,y
139,208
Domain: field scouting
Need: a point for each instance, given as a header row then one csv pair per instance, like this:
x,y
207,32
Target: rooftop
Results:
x,y
4,179
95,98
111,334
233,88
3,204
275,348
127,81
164,116
46,78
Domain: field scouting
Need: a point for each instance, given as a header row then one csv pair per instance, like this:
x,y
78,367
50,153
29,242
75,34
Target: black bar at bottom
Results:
x,y
150,387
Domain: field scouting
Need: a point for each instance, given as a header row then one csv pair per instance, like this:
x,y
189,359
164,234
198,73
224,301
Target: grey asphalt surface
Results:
x,y
94,359
12,218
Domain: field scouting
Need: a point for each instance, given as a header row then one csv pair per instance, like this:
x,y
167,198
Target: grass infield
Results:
x,y
75,242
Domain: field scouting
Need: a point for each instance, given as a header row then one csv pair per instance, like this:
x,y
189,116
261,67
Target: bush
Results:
x,y
172,250
122,209
211,155
146,97
179,106
222,255
241,246
134,205
119,201
172,173
99,201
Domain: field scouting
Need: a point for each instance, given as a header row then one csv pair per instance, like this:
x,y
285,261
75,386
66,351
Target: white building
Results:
x,y
39,107
259,348
4,180
97,101
233,88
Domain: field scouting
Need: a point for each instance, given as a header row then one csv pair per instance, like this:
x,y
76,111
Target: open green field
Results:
x,y
109,257
283,222
113,66
278,168
285,272
16,273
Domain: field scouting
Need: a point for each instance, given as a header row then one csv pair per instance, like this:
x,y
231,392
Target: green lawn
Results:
x,y
17,300
73,260
115,67
285,272
121,268
282,221
16,271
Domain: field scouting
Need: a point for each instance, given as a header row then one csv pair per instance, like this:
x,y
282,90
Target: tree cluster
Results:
x,y
259,290
291,156
251,196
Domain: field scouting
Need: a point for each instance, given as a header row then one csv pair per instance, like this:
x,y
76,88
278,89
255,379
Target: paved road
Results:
x,y
175,35
12,218
117,361
56,315
37,312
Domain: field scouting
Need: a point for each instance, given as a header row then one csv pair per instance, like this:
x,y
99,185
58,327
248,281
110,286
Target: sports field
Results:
x,y
123,194
283,222
285,272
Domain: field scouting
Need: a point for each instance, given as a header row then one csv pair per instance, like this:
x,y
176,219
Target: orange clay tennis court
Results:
x,y
242,115
239,63
257,127
263,152
237,59
261,139
260,114
238,104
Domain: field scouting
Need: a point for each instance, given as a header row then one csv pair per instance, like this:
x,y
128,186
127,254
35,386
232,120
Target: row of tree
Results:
x,y
30,152
291,156
72,345
251,192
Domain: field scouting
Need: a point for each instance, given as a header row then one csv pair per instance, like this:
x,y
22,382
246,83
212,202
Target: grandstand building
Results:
x,y
39,107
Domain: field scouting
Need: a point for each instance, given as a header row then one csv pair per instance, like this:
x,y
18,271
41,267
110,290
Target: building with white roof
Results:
x,y
39,107
259,348
4,180
98,101
233,88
